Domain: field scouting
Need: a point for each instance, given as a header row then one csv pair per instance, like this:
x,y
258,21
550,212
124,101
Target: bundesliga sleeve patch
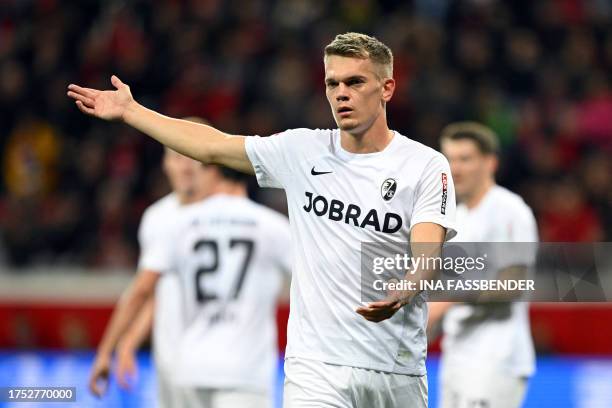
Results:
x,y
444,193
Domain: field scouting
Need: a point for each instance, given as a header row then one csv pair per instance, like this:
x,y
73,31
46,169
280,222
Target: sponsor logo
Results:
x,y
318,173
388,188
352,214
444,193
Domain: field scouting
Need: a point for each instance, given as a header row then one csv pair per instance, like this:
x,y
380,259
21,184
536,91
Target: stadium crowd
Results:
x,y
73,189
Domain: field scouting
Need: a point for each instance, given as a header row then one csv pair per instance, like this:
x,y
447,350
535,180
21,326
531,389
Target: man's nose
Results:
x,y
342,93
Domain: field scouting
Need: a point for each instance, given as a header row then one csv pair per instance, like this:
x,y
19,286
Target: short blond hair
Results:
x,y
357,45
484,137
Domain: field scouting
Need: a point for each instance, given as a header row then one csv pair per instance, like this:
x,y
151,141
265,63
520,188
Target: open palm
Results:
x,y
107,105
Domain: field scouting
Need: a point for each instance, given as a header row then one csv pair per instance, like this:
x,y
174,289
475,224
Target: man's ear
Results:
x,y
388,89
492,163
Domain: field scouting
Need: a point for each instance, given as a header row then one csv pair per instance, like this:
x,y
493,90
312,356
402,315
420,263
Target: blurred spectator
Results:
x,y
73,189
568,217
30,158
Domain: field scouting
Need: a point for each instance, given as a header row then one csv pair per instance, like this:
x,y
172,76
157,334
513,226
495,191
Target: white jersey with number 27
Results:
x,y
231,256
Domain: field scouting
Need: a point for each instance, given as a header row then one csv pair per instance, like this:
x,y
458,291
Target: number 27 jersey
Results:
x,y
231,256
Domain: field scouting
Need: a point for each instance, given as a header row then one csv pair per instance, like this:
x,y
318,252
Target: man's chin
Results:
x,y
347,125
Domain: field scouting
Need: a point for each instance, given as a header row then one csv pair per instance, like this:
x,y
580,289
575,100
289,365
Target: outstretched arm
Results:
x,y
198,141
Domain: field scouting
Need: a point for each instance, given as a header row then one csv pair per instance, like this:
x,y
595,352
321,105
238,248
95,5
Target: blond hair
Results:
x,y
357,45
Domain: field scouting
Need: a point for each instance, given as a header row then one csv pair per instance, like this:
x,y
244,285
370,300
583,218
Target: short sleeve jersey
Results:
x,y
231,256
496,335
336,201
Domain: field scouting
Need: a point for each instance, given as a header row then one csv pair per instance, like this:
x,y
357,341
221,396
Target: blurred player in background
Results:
x,y
359,183
165,306
229,257
487,351
232,257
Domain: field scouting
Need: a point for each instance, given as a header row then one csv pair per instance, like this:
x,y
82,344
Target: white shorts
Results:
x,y
465,387
191,397
167,393
314,384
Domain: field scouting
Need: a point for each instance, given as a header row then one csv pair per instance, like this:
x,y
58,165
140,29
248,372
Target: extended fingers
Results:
x,y
87,92
377,316
378,311
81,97
83,108
382,304
369,312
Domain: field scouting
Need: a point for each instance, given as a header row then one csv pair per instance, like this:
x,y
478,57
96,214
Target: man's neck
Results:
x,y
474,199
231,189
188,198
375,139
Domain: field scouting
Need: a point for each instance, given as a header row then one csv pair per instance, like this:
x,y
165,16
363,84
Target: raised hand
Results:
x,y
107,105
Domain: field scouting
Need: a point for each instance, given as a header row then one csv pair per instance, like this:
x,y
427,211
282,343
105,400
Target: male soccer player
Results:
x,y
359,183
229,257
487,349
157,219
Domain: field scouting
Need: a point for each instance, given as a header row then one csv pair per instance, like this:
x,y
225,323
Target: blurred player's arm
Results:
x,y
437,310
510,273
425,238
198,141
129,306
130,342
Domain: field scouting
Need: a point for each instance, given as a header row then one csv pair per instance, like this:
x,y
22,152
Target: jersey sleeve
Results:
x,y
272,157
157,250
435,197
146,236
523,226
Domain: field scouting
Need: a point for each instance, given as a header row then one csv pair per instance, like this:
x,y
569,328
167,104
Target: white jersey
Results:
x,y
231,256
337,200
156,222
487,339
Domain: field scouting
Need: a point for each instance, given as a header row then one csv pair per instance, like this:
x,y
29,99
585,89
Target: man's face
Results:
x,y
181,171
469,166
355,92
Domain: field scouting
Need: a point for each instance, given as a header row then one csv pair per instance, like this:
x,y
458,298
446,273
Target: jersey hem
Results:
x,y
392,369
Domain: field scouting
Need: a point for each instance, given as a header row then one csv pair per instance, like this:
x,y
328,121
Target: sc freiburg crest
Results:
x,y
388,188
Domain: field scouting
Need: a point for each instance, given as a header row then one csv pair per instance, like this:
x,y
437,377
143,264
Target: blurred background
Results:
x,y
72,189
